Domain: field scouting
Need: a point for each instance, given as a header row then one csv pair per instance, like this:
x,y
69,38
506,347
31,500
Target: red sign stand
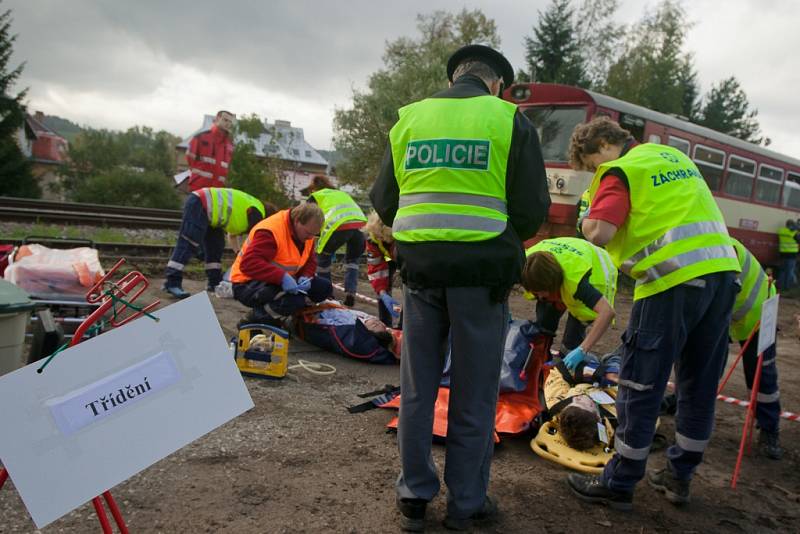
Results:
x,y
108,294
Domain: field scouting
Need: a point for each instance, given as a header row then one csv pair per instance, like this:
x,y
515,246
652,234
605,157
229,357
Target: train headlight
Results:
x,y
520,93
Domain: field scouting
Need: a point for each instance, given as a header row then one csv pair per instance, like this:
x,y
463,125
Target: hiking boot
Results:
x,y
349,300
590,488
412,514
487,512
676,491
175,291
769,444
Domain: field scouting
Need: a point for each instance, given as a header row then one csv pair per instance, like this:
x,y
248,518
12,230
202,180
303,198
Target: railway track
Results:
x,y
22,209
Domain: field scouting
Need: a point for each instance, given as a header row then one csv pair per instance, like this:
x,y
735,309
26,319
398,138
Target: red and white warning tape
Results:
x,y
791,416
359,296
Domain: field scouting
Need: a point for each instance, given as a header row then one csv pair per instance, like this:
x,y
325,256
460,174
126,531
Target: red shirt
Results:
x,y
612,201
256,263
378,266
208,157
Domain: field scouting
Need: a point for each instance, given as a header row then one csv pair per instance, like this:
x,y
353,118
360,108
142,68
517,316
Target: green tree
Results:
x,y
553,55
599,37
15,170
256,176
128,187
414,68
727,110
653,71
98,156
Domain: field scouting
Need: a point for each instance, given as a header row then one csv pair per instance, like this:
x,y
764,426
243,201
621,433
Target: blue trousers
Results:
x,y
768,407
787,277
685,327
269,300
355,248
476,326
196,234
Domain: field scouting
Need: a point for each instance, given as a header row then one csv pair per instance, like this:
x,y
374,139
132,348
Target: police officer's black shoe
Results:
x,y
590,488
769,444
412,514
486,513
676,491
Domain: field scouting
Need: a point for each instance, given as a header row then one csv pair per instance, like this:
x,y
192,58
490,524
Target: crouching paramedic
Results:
x,y
652,210
275,269
756,288
381,266
208,214
572,274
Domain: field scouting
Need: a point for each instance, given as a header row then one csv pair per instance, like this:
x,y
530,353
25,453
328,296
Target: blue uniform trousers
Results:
x,y
270,300
786,276
356,244
195,233
768,408
476,326
686,327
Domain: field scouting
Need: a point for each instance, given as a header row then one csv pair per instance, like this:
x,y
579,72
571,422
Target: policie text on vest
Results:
x,y
466,154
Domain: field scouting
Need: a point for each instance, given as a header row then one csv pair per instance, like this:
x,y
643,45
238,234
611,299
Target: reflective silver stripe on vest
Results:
x,y
608,268
437,221
347,213
461,199
288,268
629,452
671,236
227,217
747,305
686,259
689,444
209,203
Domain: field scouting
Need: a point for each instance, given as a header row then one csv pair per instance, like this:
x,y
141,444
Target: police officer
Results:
x,y
756,288
567,273
654,213
445,187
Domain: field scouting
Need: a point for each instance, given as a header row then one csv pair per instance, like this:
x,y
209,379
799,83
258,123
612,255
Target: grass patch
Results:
x,y
98,234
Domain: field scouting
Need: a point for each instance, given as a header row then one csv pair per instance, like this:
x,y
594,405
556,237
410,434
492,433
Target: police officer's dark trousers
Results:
x,y
685,326
768,409
194,233
477,328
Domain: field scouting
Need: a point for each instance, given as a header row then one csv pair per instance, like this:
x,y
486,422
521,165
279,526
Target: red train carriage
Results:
x,y
756,189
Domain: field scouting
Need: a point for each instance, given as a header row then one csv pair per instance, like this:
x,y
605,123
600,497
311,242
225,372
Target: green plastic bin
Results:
x,y
15,312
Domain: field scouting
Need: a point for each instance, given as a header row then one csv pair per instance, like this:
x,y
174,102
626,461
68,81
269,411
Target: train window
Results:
x,y
555,126
680,144
740,177
768,184
710,162
791,191
633,124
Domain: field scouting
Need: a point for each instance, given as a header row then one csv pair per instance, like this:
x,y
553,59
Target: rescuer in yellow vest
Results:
x,y
668,235
787,250
567,273
343,223
462,185
756,288
208,214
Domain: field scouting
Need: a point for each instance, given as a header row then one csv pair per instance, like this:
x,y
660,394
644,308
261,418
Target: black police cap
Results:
x,y
485,54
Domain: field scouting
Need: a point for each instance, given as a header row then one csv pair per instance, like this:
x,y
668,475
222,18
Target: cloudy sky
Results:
x,y
116,63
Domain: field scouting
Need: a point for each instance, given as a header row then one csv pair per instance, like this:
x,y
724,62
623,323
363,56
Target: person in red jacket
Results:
x,y
275,269
209,153
381,266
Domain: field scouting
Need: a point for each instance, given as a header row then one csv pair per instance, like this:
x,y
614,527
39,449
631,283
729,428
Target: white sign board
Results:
x,y
769,323
113,405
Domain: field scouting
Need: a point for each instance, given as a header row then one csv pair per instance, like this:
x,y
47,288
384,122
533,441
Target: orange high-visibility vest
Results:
x,y
287,257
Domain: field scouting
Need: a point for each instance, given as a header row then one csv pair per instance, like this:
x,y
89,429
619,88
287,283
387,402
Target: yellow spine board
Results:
x,y
549,444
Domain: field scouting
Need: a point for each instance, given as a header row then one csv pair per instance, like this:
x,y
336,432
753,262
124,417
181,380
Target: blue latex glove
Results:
x,y
304,283
288,284
575,357
389,303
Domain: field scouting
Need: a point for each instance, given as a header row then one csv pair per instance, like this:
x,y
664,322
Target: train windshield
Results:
x,y
555,125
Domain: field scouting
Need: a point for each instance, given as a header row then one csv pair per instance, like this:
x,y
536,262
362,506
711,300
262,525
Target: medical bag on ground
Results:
x,y
262,350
